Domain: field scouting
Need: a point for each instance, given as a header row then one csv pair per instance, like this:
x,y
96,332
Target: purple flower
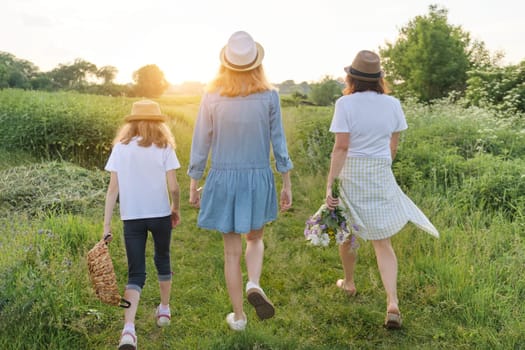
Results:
x,y
340,237
355,227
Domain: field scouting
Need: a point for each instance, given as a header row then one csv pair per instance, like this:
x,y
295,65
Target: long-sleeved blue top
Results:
x,y
239,131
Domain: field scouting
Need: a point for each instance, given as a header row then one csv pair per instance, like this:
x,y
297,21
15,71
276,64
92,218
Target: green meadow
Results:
x,y
464,167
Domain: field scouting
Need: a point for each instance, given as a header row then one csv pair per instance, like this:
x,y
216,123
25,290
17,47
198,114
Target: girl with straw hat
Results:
x,y
142,161
239,118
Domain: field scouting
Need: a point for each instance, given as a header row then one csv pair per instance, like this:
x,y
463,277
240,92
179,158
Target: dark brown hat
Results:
x,y
366,66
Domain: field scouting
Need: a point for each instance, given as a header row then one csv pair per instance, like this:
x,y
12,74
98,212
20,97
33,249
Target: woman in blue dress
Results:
x,y
238,120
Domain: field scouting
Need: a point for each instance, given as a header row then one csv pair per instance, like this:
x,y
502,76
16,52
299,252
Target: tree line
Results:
x,y
82,76
431,59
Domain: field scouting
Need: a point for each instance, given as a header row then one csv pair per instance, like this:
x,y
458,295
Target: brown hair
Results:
x,y
149,132
355,85
232,83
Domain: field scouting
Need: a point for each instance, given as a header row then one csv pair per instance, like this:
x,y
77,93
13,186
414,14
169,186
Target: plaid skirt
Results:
x,y
374,203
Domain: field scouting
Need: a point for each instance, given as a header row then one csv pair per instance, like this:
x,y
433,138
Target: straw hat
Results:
x,y
366,66
146,110
241,53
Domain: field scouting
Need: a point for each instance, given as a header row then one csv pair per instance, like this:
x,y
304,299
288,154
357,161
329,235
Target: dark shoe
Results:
x,y
263,306
393,320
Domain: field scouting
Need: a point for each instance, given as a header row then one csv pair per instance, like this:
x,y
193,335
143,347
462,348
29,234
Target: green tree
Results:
x,y
107,73
149,81
15,72
43,81
325,92
75,75
481,58
430,57
499,88
298,98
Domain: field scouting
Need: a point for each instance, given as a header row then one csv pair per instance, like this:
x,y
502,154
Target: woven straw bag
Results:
x,y
103,276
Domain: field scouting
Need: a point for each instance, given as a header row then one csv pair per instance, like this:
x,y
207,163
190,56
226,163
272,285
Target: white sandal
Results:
x,y
163,319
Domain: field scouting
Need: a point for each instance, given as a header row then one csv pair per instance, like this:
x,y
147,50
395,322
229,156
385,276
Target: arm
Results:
x,y
394,141
286,192
283,162
339,152
200,149
195,199
201,141
111,200
173,189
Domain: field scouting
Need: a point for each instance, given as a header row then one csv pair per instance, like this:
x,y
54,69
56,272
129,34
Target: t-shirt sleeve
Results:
x,y
111,164
400,117
171,160
340,122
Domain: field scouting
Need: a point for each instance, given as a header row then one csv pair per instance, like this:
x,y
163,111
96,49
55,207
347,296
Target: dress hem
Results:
x,y
234,231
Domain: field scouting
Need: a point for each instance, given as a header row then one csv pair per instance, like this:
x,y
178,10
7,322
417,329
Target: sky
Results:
x,y
304,40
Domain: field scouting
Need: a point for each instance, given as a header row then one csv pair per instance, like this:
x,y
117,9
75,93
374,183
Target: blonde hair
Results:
x,y
149,132
355,85
232,83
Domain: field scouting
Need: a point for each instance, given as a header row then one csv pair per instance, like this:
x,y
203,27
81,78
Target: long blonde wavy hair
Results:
x,y
149,132
232,83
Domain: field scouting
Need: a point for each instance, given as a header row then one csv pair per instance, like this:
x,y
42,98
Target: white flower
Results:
x,y
341,236
314,239
325,239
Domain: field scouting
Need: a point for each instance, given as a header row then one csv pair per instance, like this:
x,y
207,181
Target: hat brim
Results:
x,y
362,76
146,117
256,63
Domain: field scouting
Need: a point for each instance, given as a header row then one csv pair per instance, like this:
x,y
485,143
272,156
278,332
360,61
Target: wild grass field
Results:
x,y
464,168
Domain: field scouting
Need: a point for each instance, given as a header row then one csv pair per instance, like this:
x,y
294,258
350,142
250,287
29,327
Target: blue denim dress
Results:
x,y
239,194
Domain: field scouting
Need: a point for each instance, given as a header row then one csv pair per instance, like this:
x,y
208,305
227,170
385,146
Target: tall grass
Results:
x,y
71,126
461,291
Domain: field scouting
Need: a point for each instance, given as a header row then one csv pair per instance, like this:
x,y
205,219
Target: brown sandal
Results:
x,y
350,292
393,320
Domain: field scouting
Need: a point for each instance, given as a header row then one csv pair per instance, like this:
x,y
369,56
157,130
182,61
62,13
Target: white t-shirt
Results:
x,y
141,173
370,118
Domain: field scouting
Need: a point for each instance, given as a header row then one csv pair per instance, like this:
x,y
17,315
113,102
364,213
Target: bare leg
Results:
x,y
387,263
348,259
254,261
254,255
133,296
165,289
232,271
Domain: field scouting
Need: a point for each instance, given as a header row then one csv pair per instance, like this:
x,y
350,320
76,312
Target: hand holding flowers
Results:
x,y
329,226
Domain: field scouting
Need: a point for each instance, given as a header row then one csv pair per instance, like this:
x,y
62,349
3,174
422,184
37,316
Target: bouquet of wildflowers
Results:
x,y
327,227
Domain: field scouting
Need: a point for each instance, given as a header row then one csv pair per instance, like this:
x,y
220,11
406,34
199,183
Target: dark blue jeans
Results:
x,y
135,237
